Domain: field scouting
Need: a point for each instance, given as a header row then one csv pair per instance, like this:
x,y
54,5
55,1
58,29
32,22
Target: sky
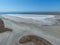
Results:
x,y
29,5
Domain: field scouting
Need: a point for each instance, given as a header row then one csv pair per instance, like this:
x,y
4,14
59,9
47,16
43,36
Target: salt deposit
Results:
x,y
26,26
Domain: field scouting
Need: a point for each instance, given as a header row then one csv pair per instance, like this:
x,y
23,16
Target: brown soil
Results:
x,y
2,28
35,39
1,23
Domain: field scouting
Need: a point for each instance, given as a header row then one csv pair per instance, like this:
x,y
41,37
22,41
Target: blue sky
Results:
x,y
29,5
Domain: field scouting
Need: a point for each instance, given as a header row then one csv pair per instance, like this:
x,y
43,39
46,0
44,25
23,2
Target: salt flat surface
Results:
x,y
26,25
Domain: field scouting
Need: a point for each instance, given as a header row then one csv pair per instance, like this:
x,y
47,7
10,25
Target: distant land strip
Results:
x,y
39,13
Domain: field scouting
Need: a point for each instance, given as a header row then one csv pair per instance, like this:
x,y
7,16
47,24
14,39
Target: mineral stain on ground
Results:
x,y
35,39
2,28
